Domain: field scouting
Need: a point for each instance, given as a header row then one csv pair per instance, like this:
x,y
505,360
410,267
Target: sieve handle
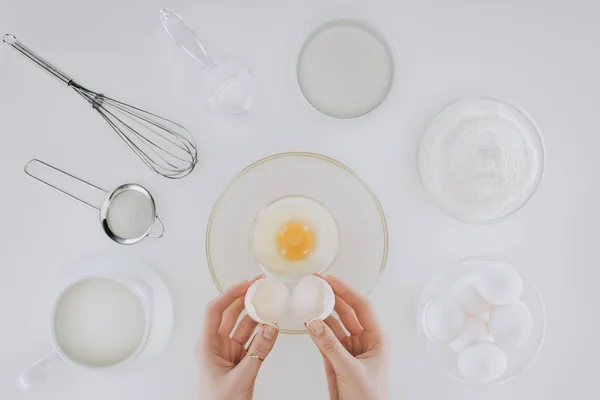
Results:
x,y
160,233
45,182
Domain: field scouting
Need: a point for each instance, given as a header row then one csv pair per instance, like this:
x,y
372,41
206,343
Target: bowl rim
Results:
x,y
309,155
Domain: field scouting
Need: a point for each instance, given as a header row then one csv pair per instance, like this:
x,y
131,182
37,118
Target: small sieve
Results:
x,y
122,222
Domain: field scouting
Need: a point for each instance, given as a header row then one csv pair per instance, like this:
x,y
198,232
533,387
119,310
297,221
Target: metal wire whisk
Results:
x,y
164,146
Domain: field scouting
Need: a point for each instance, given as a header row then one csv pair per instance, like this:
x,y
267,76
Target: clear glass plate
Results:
x,y
362,226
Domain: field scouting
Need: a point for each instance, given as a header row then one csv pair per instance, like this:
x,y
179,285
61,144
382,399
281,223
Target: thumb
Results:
x,y
329,345
261,346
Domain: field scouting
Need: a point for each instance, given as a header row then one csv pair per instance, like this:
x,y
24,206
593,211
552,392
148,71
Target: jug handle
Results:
x,y
145,293
37,373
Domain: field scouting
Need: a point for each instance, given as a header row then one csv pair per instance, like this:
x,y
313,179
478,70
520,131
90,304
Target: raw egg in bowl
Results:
x,y
294,237
294,214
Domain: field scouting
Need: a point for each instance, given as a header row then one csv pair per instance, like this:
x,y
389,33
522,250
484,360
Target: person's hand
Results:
x,y
356,364
227,370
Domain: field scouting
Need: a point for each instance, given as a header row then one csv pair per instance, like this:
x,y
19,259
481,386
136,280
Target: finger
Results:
x,y
231,316
215,309
361,305
329,345
331,378
336,328
259,349
347,316
244,330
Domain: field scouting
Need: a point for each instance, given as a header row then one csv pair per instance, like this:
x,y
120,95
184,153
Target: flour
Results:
x,y
130,214
481,160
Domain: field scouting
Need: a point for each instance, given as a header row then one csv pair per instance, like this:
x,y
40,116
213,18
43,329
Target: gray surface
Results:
x,y
541,55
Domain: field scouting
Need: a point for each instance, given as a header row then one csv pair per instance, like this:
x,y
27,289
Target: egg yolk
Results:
x,y
296,241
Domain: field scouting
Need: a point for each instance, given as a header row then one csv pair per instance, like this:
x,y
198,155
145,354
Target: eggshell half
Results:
x,y
267,301
312,298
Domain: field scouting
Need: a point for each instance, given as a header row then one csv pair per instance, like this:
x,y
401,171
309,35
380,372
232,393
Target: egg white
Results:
x,y
294,209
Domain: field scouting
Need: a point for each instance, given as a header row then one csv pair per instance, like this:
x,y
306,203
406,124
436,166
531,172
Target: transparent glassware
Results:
x,y
363,237
227,82
445,359
343,83
430,165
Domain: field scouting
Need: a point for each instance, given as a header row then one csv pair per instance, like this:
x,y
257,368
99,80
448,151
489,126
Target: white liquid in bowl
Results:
x,y
99,322
345,69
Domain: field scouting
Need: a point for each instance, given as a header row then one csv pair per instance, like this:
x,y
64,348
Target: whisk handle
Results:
x,y
12,41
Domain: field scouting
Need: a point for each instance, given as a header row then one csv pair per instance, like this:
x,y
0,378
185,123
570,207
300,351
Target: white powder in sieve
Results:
x,y
481,160
130,214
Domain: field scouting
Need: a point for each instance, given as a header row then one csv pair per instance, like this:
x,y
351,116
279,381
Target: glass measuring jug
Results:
x,y
227,82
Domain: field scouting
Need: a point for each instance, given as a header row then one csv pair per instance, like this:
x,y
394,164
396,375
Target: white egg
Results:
x,y
482,363
499,284
267,301
470,300
511,325
443,319
485,316
474,330
269,225
312,298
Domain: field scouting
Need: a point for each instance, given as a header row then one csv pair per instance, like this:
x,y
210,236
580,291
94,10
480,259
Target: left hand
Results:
x,y
227,370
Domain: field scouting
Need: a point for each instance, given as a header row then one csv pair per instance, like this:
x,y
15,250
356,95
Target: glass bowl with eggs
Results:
x,y
481,321
291,215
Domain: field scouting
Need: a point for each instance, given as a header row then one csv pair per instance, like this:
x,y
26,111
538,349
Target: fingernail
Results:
x,y
256,277
315,326
269,332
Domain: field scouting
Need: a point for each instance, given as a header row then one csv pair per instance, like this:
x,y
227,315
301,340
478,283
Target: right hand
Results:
x,y
356,364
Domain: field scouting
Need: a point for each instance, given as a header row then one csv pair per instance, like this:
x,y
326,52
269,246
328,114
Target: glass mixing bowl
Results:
x,y
363,236
445,359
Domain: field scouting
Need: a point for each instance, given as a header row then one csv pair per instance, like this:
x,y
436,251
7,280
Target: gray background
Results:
x,y
541,55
